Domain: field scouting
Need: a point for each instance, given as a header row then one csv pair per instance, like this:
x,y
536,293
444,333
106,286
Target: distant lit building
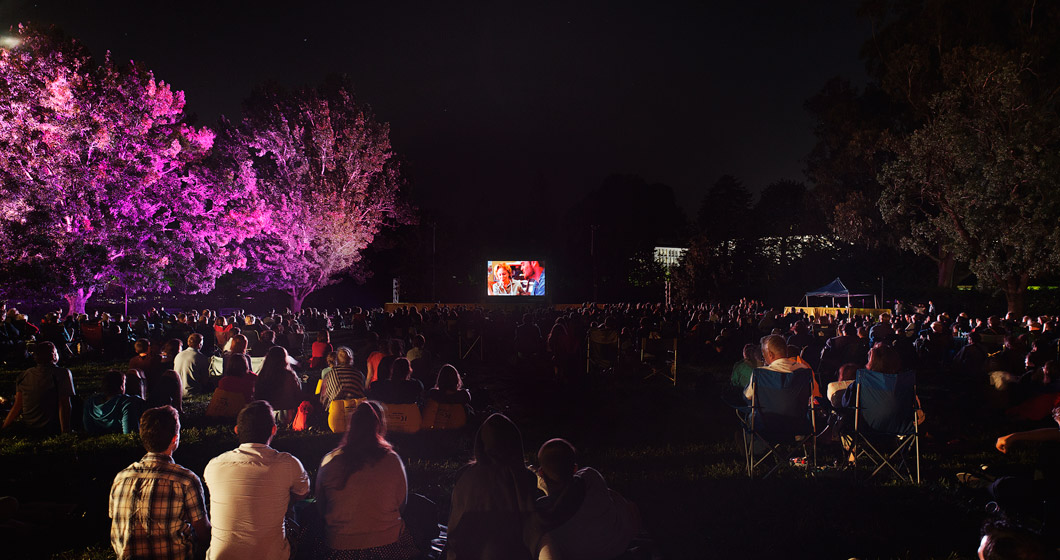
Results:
x,y
781,249
670,256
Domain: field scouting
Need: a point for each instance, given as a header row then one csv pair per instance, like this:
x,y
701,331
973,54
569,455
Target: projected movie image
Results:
x,y
515,278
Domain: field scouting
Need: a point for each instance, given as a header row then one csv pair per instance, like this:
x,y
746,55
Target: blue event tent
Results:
x,y
835,289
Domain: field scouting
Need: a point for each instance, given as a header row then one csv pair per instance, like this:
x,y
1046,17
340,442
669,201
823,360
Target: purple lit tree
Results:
x,y
325,169
100,182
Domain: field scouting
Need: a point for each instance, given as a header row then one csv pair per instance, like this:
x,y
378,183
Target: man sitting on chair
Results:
x,y
775,352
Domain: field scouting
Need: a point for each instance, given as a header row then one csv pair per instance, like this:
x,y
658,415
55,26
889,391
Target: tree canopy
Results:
x,y
949,148
326,173
981,179
99,176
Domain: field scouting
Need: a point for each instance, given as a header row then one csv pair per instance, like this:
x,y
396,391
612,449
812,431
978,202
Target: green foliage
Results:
x,y
962,93
644,272
979,180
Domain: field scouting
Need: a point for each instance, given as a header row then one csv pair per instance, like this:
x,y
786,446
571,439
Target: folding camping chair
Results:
x,y
339,413
403,418
885,427
603,348
780,421
660,350
443,416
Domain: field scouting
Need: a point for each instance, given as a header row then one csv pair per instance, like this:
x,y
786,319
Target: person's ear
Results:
x,y
236,430
274,429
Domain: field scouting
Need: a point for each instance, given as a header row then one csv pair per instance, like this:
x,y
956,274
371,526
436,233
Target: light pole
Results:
x,y
592,257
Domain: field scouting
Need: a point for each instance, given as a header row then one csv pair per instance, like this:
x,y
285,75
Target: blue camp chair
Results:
x,y
885,428
780,421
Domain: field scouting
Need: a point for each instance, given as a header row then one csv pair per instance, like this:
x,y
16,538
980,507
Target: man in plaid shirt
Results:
x,y
156,506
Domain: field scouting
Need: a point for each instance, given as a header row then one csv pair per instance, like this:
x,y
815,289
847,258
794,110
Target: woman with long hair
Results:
x,y
238,377
361,488
279,385
449,388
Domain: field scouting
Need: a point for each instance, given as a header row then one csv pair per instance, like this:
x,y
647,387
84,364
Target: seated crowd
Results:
x,y
500,509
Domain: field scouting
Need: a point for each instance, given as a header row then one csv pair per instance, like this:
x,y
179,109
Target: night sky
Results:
x,y
504,101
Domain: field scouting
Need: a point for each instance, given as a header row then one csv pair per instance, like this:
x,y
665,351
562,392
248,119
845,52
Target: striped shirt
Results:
x,y
153,504
341,382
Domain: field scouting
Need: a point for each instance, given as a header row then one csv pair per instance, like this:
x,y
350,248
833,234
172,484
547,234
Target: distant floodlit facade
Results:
x,y
670,256
782,248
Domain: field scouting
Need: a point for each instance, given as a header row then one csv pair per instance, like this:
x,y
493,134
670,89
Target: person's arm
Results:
x,y
734,379
130,416
65,405
300,486
86,415
195,510
321,498
1042,434
65,408
16,411
202,531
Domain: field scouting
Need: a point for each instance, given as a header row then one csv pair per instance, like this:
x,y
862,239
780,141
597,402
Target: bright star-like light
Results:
x,y
9,42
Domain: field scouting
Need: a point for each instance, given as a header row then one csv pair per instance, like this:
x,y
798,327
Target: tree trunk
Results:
x,y
946,265
1015,290
296,303
76,300
298,296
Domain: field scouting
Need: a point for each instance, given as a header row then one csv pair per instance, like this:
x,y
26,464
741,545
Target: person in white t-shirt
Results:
x,y
251,488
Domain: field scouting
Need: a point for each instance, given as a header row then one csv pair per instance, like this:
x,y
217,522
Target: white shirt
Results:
x,y
193,367
783,365
250,489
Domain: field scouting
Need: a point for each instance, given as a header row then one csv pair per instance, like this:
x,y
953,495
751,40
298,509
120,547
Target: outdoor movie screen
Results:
x,y
515,278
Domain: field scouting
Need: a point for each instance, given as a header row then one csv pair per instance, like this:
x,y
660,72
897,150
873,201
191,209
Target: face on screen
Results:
x,y
515,278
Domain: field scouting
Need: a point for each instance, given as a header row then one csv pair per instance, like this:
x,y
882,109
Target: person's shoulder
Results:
x,y
330,456
134,470
129,400
185,471
147,468
589,474
26,373
288,458
392,457
224,458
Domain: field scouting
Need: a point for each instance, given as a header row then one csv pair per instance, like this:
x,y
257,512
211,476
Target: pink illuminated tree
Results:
x,y
326,171
101,182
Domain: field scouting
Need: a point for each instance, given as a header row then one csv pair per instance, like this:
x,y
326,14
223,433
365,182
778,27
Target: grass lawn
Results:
x,y
672,450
